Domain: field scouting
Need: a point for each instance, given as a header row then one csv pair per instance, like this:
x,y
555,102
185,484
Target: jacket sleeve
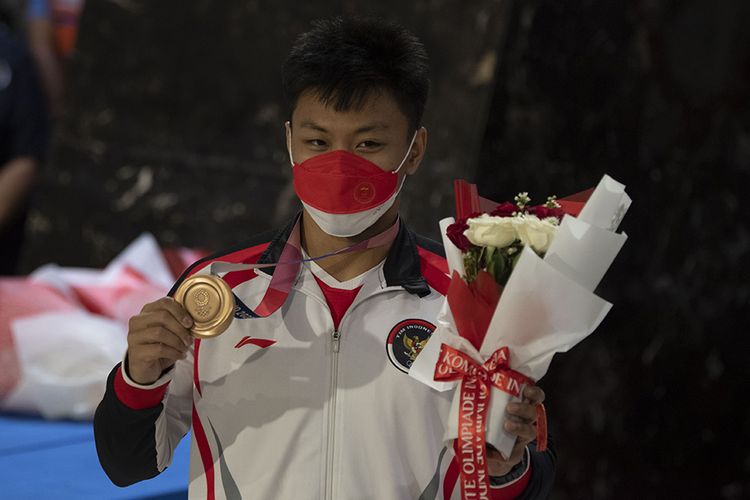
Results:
x,y
137,428
543,465
531,478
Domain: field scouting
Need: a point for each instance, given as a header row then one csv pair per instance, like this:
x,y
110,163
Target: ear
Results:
x,y
417,152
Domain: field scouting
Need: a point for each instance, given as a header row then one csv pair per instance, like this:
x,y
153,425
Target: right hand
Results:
x,y
157,338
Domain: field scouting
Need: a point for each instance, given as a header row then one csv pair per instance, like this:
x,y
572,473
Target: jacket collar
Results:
x,y
401,267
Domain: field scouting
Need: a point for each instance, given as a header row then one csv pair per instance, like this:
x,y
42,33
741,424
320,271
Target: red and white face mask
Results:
x,y
343,192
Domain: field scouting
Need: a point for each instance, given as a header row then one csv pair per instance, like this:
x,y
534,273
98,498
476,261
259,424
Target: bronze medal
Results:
x,y
209,301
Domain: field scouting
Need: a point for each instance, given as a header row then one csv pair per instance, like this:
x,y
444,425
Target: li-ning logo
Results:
x,y
406,340
262,343
364,193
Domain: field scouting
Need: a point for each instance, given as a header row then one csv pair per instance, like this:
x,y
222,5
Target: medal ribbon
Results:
x,y
476,382
287,269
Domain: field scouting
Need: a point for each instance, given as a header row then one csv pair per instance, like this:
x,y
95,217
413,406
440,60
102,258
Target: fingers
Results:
x,y
167,320
521,412
158,335
520,422
173,307
522,416
526,433
499,466
494,454
157,338
165,313
152,353
163,319
534,394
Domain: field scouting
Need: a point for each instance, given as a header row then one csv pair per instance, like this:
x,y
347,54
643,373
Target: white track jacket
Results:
x,y
287,407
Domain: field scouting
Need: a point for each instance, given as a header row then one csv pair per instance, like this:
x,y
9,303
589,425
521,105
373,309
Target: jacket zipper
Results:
x,y
335,346
335,338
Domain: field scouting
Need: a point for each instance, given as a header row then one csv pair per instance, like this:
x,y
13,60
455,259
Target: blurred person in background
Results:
x,y
51,30
23,140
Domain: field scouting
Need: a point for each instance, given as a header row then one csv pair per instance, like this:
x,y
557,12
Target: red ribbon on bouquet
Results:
x,y
476,382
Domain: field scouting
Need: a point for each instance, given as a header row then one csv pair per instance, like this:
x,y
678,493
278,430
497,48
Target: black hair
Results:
x,y
344,59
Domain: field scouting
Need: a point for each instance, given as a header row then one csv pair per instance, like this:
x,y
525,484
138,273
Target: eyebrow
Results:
x,y
361,130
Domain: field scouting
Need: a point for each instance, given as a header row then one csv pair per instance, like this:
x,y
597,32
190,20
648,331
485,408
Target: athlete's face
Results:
x,y
378,131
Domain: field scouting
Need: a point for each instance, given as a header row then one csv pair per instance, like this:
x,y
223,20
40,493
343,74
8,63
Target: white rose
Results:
x,y
490,231
536,233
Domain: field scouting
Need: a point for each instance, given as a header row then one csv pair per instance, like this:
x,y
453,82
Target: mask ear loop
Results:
x,y
289,141
395,172
414,138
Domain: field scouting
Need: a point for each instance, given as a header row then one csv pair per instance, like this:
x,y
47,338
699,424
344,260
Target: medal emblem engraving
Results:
x,y
209,301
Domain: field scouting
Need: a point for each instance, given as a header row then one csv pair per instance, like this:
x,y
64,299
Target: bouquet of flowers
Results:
x,y
521,290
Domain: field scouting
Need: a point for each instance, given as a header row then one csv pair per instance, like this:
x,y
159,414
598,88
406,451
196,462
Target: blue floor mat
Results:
x,y
40,459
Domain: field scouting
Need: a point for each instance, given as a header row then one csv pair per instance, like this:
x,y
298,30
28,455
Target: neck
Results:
x,y
351,264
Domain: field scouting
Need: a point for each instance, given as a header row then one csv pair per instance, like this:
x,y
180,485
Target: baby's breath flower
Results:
x,y
522,199
552,202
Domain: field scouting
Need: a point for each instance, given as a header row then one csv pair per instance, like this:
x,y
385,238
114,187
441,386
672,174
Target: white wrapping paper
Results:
x,y
452,253
541,312
546,307
607,205
583,252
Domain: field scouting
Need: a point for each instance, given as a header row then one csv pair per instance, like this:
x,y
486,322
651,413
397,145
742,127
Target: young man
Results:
x,y
314,401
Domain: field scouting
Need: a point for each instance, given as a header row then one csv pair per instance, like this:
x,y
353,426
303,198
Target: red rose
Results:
x,y
505,209
456,230
455,233
543,212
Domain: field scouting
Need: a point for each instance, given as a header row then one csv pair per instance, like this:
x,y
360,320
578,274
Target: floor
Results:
x,y
40,459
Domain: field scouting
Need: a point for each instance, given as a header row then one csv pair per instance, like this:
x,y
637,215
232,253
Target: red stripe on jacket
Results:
x,y
244,256
136,398
248,255
205,453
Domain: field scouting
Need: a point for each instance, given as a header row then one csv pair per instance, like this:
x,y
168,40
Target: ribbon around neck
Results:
x,y
287,269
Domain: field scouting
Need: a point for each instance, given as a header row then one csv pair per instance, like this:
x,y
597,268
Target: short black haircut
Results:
x,y
344,59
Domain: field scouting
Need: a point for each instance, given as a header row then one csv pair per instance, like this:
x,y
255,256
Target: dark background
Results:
x,y
174,125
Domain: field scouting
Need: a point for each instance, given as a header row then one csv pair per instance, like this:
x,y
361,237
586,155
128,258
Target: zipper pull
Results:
x,y
335,336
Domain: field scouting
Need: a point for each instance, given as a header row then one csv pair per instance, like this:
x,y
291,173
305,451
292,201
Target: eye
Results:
x,y
316,143
369,145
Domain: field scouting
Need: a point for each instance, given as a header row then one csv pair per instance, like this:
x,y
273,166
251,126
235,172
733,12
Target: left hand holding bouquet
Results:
x,y
521,290
521,422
